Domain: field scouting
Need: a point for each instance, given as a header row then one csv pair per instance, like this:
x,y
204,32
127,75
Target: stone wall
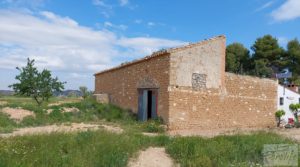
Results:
x,y
244,102
121,84
200,65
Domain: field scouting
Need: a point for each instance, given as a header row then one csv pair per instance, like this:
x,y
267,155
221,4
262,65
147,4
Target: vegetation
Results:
x,y
38,85
236,150
84,91
278,116
267,59
89,111
237,58
295,108
102,148
154,126
98,148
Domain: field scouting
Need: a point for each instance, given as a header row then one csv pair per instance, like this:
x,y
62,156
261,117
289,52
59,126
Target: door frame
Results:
x,y
156,94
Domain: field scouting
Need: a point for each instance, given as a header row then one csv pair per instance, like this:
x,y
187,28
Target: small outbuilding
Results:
x,y
189,89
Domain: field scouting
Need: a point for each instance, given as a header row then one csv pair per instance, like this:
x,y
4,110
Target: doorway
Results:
x,y
147,104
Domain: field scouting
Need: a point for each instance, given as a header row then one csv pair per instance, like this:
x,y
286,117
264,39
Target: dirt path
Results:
x,y
74,127
293,134
17,114
152,157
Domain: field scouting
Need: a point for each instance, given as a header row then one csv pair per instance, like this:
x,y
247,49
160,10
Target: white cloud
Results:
x,y
124,2
63,45
102,4
106,9
287,11
122,27
138,21
24,3
265,6
151,24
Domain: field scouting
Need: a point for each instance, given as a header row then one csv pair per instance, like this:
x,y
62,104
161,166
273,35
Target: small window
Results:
x,y
281,101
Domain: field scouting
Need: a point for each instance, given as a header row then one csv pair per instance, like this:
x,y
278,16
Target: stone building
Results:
x,y
189,88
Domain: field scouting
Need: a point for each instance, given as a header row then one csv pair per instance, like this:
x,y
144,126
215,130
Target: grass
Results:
x,y
89,111
101,148
6,124
236,150
82,149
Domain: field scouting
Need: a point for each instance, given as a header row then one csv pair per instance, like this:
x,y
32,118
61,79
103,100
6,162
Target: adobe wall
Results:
x,y
122,84
244,102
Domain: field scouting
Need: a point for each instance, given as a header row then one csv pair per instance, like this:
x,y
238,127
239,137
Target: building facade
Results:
x,y
286,97
189,88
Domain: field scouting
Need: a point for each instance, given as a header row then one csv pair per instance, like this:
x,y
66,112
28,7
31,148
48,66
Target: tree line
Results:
x,y
267,58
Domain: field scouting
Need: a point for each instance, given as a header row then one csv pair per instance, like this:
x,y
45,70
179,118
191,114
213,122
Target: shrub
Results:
x,y
153,126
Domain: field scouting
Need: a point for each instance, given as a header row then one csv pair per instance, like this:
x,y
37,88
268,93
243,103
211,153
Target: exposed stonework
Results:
x,y
193,89
246,102
204,59
122,84
102,98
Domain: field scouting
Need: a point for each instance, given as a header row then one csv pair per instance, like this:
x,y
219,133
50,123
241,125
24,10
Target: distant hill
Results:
x,y
64,93
6,92
68,93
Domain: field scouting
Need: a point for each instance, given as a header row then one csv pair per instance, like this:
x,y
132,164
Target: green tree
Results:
x,y
262,69
293,59
84,91
38,85
278,116
267,54
237,58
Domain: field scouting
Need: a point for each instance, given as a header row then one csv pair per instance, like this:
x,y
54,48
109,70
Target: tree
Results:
x,y
267,54
293,59
84,91
38,85
294,108
261,69
237,58
278,116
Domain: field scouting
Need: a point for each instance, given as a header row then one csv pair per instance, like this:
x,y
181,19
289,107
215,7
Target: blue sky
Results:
x,y
76,38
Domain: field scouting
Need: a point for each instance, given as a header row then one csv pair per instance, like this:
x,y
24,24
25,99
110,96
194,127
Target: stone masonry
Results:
x,y
194,91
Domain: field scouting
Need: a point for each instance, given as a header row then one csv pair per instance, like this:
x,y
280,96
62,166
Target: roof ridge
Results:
x,y
162,52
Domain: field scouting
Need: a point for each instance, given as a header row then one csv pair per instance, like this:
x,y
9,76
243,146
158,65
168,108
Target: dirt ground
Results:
x,y
212,133
3,103
64,102
65,109
17,113
152,157
74,127
293,134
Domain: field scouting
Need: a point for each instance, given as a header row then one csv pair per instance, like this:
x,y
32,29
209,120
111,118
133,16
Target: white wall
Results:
x,y
289,98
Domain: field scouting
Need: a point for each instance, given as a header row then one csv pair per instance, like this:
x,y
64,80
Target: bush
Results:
x,y
153,126
297,124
